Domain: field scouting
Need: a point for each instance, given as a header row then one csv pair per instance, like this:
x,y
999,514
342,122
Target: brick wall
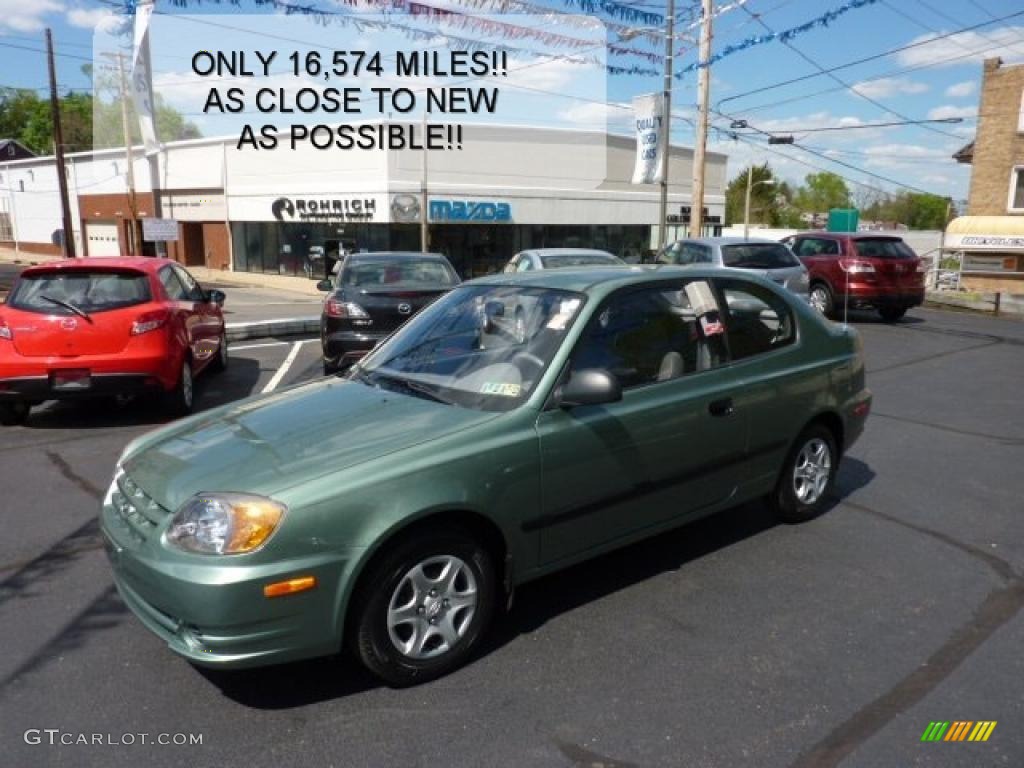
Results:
x,y
998,147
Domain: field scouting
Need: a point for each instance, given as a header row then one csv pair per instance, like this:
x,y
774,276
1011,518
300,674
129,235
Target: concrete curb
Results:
x,y
261,329
1011,307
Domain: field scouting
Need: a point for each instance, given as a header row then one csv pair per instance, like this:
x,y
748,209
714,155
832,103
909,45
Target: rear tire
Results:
x,y
180,400
14,414
821,299
423,607
807,476
892,314
329,368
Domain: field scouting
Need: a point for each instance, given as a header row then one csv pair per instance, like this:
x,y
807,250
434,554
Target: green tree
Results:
x,y
822,192
765,205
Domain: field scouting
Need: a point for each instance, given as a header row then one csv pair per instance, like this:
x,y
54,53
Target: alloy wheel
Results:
x,y
811,471
432,607
819,299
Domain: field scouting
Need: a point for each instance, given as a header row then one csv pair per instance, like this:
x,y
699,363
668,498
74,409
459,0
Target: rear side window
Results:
x,y
99,291
685,253
758,256
757,320
817,246
883,248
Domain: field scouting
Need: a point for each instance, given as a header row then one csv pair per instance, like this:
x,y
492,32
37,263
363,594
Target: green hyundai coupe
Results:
x,y
516,426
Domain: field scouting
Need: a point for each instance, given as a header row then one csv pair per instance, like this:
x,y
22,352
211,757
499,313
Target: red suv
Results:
x,y
107,326
860,271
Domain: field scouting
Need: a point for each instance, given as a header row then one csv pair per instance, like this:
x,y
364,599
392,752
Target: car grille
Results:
x,y
135,509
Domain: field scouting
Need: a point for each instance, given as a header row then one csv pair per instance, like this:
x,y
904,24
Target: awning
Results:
x,y
985,233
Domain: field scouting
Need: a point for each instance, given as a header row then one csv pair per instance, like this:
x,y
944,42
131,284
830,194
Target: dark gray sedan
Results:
x,y
765,257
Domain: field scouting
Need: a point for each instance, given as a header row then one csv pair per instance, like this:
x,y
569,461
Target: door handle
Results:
x,y
723,407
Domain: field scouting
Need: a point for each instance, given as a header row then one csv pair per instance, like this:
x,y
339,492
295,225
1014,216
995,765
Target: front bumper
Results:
x,y
211,609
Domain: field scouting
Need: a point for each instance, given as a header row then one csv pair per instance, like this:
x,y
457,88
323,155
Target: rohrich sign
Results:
x,y
324,208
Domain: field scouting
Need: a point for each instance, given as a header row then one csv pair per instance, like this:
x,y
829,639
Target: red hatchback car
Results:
x,y
860,271
106,326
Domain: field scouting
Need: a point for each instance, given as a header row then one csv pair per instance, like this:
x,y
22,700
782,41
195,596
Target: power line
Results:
x,y
847,86
873,57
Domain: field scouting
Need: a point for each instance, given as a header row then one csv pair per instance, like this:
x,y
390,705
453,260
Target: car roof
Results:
x,y
606,279
867,235
726,240
393,255
568,252
141,263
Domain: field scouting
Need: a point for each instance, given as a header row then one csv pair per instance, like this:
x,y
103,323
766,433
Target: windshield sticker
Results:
x,y
504,389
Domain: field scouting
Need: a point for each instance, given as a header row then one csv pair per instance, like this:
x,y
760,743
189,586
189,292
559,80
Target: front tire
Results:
x,y
14,414
821,299
220,362
424,607
181,399
807,476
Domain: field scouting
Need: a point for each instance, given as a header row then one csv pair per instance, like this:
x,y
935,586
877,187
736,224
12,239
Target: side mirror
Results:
x,y
591,386
217,297
325,285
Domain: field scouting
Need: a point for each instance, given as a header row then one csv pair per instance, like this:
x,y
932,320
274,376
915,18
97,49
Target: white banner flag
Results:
x,y
648,112
141,91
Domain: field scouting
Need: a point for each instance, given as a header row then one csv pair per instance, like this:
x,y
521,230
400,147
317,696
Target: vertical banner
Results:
x,y
648,112
142,92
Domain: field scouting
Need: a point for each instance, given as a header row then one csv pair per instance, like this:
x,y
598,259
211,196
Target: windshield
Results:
x,y
381,272
758,256
483,346
883,248
57,292
559,260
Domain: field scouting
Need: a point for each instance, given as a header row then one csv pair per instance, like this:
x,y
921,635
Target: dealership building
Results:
x,y
283,211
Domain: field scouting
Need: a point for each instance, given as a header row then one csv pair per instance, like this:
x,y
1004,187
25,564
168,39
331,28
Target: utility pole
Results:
x,y
703,89
133,208
424,209
68,241
666,121
154,157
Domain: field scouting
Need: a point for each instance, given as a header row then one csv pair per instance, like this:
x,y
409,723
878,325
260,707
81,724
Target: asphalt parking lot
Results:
x,y
733,641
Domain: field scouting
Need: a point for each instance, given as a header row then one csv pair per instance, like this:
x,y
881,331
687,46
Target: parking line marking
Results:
x,y
258,346
280,373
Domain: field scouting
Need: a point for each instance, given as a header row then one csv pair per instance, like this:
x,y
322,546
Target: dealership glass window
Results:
x,y
1017,189
757,320
6,232
655,334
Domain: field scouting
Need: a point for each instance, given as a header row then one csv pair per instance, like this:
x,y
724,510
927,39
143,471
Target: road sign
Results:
x,y
160,230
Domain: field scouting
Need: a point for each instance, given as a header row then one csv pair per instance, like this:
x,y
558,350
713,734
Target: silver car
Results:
x,y
557,258
765,257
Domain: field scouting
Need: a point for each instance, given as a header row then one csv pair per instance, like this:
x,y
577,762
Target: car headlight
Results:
x,y
224,523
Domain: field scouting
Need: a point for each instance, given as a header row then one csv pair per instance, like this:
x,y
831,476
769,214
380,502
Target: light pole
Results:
x,y
746,208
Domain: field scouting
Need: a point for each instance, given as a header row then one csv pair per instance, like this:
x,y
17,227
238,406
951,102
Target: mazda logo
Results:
x,y
405,208
282,206
404,309
69,323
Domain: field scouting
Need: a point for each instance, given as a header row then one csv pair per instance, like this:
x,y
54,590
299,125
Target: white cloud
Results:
x,y
22,16
961,90
594,116
949,110
965,47
102,19
886,87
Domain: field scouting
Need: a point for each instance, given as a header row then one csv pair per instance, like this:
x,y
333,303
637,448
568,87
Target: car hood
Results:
x,y
267,444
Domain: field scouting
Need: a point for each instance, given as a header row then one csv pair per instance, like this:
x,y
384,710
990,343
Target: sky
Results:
x,y
933,79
